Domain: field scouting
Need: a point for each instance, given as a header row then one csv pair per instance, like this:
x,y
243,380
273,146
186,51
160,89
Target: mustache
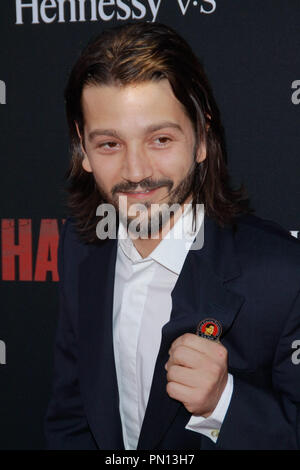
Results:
x,y
147,185
150,184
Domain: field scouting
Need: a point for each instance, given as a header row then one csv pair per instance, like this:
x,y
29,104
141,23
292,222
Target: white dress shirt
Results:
x,y
142,306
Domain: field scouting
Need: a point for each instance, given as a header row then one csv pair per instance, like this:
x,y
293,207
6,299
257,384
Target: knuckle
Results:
x,y
190,407
194,402
170,389
176,354
179,354
186,339
170,374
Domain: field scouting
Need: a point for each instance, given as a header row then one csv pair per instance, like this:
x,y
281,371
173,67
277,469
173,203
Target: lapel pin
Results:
x,y
209,329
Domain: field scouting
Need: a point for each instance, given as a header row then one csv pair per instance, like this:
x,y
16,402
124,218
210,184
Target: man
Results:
x,y
130,370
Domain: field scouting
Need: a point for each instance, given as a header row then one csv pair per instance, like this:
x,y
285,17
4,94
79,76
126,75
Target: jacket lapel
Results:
x,y
199,293
96,356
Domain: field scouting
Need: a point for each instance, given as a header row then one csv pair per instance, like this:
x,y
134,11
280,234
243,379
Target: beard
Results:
x,y
153,217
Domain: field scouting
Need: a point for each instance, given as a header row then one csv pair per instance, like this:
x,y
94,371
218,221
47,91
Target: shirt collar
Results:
x,y
173,248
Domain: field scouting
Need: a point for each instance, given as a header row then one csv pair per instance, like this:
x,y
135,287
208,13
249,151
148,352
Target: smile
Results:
x,y
139,194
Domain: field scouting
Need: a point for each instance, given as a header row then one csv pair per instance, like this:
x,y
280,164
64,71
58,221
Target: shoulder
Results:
x,y
70,237
71,249
265,242
264,231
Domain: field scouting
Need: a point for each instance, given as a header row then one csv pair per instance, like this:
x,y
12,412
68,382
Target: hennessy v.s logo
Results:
x,y
72,11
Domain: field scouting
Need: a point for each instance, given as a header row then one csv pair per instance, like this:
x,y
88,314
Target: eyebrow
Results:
x,y
149,129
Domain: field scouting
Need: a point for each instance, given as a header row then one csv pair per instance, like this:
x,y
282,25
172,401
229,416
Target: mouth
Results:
x,y
139,194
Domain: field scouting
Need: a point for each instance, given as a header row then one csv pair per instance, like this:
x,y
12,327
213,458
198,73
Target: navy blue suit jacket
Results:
x,y
246,276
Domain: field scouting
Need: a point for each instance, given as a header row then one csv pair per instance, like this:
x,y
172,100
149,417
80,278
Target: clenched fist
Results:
x,y
197,373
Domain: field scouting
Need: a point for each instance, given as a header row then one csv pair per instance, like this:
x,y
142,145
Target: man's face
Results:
x,y
209,330
138,138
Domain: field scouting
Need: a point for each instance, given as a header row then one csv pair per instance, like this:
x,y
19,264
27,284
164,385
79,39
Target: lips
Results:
x,y
139,194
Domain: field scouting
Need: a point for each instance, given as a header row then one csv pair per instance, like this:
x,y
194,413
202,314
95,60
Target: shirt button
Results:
x,y
214,433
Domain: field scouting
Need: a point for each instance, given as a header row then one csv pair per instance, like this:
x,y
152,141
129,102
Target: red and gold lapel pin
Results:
x,y
209,328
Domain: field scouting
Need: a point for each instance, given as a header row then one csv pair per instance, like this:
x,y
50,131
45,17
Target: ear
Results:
x,y
201,153
85,161
207,125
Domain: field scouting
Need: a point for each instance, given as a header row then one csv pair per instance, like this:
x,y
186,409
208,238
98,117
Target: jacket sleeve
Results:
x,y
65,424
268,418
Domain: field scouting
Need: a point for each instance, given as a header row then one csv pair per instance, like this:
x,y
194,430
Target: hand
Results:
x,y
197,373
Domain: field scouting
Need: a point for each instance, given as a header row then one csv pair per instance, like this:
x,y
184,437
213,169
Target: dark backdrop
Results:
x,y
250,50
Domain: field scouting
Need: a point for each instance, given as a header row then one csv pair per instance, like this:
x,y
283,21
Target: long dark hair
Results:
x,y
136,53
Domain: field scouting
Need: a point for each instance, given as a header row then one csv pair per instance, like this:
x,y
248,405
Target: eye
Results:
x,y
110,145
162,140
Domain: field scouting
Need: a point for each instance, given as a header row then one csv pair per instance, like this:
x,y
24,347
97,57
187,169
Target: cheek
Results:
x,y
175,164
105,172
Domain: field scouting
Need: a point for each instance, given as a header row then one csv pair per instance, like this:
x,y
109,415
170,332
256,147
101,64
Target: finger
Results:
x,y
186,357
184,376
178,392
192,341
202,345
184,339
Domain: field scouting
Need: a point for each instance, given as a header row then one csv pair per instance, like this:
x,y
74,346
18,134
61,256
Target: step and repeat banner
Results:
x,y
250,50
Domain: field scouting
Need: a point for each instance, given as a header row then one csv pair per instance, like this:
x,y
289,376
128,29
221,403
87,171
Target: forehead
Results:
x,y
135,104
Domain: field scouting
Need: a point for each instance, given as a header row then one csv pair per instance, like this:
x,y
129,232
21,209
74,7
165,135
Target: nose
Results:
x,y
136,165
